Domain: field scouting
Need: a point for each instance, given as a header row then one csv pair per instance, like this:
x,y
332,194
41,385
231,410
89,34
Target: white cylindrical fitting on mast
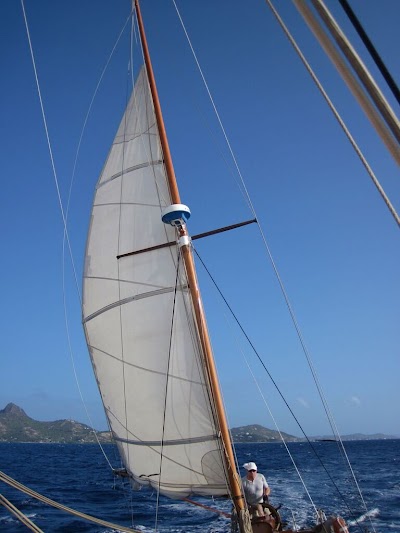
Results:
x,y
185,240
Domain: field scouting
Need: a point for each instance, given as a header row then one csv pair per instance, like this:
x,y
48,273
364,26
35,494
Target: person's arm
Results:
x,y
266,489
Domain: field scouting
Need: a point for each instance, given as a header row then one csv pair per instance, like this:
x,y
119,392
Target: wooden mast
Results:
x,y
234,481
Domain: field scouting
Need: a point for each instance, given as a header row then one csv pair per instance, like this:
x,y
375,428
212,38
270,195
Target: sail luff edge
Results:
x,y
233,476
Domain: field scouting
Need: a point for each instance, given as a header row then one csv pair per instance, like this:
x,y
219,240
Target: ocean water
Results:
x,y
78,476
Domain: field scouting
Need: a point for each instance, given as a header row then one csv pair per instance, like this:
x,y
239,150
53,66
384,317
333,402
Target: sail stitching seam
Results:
x,y
172,376
119,303
177,442
141,204
130,169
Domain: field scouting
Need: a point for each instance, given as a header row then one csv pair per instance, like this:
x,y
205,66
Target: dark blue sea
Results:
x,y
78,476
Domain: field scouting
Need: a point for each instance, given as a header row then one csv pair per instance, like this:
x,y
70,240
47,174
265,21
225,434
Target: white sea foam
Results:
x,y
8,518
373,513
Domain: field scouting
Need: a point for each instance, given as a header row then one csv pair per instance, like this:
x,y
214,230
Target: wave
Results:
x,y
373,513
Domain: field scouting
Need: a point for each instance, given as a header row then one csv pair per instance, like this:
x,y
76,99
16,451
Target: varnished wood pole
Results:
x,y
173,186
358,92
234,481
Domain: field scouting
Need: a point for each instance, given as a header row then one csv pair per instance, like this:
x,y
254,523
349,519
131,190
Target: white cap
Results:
x,y
250,466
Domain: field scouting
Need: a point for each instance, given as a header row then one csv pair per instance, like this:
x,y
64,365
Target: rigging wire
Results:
x,y
163,201
121,181
246,194
371,49
86,119
166,202
391,208
336,113
190,270
387,128
50,150
204,369
166,385
327,99
130,71
291,311
280,281
64,213
274,382
121,184
278,429
23,488
363,100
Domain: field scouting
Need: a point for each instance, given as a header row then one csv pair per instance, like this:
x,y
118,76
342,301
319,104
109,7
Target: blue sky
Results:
x,y
334,242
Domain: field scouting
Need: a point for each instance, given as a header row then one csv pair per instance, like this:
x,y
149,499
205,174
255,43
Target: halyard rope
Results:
x,y
278,429
178,263
71,352
336,113
381,191
276,386
16,485
64,214
263,236
328,101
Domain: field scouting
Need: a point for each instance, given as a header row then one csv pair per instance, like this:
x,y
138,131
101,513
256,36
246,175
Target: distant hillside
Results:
x,y
359,436
17,426
257,433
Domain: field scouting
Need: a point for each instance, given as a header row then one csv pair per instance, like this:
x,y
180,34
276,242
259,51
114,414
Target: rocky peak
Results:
x,y
17,426
14,410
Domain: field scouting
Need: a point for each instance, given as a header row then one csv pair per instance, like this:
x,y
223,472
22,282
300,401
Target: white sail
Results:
x,y
139,321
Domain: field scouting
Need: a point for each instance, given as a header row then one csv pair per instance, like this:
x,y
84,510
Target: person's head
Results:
x,y
251,470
